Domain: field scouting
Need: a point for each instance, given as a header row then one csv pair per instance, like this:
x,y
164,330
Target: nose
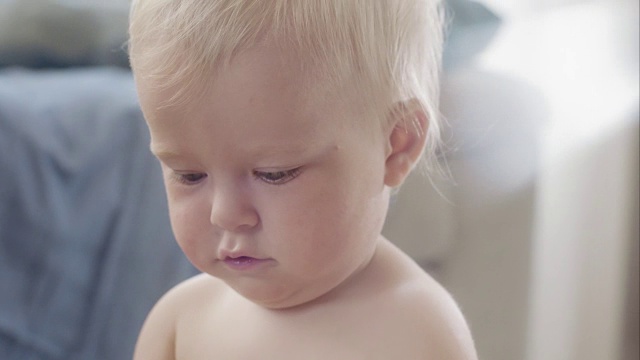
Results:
x,y
232,209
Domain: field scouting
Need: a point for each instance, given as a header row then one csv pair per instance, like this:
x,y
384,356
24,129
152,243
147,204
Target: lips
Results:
x,y
239,261
245,263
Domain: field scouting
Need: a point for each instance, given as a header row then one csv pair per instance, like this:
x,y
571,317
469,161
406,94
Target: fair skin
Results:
x,y
279,199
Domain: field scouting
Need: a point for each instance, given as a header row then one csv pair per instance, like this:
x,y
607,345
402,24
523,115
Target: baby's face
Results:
x,y
281,197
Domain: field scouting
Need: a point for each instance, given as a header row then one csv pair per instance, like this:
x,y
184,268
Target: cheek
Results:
x,y
181,222
330,220
356,211
183,230
189,223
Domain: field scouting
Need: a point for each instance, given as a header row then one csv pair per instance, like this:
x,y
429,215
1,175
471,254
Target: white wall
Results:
x,y
521,8
584,60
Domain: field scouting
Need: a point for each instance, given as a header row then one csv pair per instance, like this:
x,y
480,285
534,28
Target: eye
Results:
x,y
277,177
188,178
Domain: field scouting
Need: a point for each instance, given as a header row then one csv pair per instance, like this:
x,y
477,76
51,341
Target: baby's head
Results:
x,y
385,52
281,126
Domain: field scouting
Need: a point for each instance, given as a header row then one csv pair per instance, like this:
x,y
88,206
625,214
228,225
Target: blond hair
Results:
x,y
389,49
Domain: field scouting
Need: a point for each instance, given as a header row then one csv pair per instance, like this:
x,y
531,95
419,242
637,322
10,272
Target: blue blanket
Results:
x,y
85,243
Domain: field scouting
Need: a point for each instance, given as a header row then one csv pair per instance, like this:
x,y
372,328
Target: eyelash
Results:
x,y
269,177
184,179
277,177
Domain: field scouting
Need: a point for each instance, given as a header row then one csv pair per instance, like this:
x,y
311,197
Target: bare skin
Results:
x,y
391,310
289,241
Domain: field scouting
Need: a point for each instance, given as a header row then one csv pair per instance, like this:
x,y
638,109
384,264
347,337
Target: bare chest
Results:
x,y
304,338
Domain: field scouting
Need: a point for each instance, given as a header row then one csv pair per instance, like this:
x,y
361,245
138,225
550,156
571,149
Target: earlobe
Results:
x,y
406,141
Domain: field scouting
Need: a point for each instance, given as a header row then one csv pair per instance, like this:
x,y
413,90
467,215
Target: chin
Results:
x,y
280,297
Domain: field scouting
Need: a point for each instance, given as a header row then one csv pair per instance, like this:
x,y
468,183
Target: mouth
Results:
x,y
244,262
240,260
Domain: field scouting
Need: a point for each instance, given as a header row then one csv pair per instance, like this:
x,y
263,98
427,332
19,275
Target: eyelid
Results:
x,y
282,176
183,177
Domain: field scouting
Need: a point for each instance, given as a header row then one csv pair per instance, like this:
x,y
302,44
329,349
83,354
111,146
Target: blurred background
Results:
x,y
534,232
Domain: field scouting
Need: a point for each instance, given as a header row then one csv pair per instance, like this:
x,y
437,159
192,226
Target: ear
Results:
x,y
406,140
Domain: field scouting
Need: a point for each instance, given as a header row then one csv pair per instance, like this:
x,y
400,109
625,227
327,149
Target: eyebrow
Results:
x,y
273,150
163,153
265,150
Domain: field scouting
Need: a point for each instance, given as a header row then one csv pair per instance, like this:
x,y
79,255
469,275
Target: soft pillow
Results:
x,y
472,26
62,33
57,33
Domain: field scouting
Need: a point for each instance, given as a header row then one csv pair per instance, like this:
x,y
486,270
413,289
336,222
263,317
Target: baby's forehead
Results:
x,y
256,98
261,74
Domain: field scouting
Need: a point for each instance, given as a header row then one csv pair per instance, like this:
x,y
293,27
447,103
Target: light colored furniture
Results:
x,y
536,238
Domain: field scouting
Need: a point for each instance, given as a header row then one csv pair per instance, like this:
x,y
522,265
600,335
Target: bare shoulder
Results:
x,y
426,314
157,339
439,323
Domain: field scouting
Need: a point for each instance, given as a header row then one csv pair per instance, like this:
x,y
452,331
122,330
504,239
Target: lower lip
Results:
x,y
245,263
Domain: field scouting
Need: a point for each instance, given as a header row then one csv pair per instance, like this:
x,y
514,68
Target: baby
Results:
x,y
282,127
